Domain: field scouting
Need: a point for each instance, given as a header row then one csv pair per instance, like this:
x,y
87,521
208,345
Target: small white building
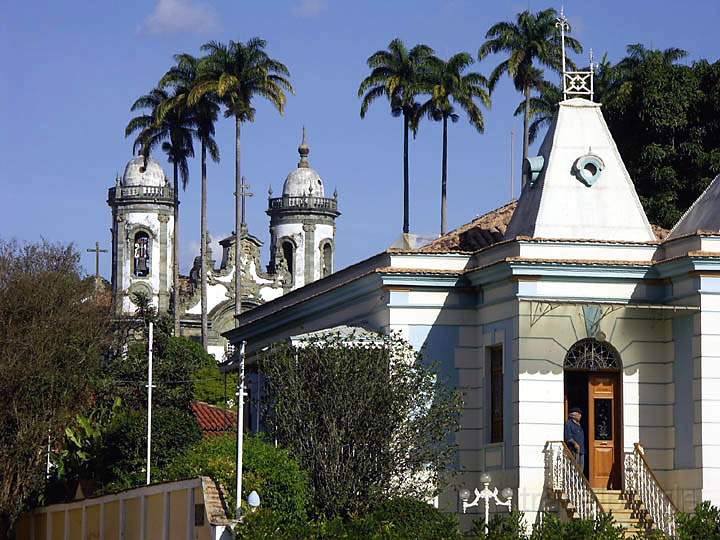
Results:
x,y
565,298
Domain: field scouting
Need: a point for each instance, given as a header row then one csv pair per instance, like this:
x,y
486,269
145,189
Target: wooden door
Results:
x,y
603,435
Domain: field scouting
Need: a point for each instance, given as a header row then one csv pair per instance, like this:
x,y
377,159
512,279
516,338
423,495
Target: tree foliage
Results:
x,y
664,117
368,419
399,75
54,329
532,39
283,486
117,458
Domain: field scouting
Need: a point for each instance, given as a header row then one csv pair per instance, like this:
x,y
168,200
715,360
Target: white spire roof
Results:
x,y
581,189
703,215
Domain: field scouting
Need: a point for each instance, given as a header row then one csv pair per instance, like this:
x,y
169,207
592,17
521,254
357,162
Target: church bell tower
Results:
x,y
142,235
302,224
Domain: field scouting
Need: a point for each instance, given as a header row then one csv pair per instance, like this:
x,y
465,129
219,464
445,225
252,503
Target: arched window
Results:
x,y
141,254
288,250
592,355
327,259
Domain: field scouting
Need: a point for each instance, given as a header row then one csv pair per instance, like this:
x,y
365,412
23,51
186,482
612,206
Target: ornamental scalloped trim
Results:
x,y
588,168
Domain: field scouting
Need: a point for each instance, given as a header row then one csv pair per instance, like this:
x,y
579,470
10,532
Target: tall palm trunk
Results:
x,y
443,190
176,253
203,245
526,130
238,222
406,176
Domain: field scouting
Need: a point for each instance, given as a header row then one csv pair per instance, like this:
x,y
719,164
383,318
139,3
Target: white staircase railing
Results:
x,y
566,481
639,482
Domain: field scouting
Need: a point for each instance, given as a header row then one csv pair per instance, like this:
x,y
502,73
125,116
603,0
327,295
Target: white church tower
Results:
x,y
302,225
142,229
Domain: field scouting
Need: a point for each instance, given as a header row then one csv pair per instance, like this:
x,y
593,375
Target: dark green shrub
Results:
x,y
283,487
410,518
502,526
398,519
704,523
603,528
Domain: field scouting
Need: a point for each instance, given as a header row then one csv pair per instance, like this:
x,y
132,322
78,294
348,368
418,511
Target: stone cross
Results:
x,y
244,193
97,252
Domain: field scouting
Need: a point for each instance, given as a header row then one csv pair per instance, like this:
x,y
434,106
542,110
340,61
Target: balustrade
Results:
x,y
130,192
566,480
321,203
640,483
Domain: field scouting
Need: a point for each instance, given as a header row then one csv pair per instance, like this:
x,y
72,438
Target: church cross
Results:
x,y
244,193
97,252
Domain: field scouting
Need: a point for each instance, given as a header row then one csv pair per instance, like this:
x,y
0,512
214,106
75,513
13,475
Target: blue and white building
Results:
x,y
569,297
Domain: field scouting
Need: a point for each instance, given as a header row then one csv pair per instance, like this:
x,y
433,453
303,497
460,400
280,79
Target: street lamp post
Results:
x,y
486,494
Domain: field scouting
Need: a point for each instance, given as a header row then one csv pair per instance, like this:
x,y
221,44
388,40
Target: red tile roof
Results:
x,y
489,229
213,420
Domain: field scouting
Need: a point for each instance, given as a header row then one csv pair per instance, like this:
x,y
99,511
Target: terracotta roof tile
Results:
x,y
481,232
489,229
213,420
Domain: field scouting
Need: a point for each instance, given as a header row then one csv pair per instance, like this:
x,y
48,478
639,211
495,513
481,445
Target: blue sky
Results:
x,y
72,70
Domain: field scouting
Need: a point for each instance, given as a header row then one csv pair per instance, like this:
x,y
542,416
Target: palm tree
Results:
x,y
450,88
542,108
397,74
174,133
544,104
532,38
236,73
183,77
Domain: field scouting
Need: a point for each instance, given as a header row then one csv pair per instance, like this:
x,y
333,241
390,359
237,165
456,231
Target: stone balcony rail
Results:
x,y
141,192
302,203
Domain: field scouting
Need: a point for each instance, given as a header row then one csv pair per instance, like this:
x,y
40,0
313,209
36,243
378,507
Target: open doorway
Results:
x,y
598,396
592,382
576,395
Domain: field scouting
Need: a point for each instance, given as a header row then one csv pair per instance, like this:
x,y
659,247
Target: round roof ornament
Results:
x,y
588,168
303,181
143,172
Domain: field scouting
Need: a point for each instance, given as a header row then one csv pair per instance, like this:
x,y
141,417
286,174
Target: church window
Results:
x,y
592,355
289,254
326,259
496,394
141,254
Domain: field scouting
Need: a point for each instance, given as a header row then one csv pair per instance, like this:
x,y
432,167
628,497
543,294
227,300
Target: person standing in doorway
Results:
x,y
575,436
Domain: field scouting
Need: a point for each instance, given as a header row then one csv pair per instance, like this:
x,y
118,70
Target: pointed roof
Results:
x,y
581,189
703,215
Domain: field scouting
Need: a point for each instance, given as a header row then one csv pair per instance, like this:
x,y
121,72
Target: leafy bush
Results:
x,y
703,523
366,417
510,526
603,528
392,520
283,487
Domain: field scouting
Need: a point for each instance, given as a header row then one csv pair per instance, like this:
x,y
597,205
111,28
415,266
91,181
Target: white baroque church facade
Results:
x,y
302,248
568,297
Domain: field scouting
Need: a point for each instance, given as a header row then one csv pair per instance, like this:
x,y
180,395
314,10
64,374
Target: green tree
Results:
x,y
54,330
173,132
271,471
532,38
452,89
117,458
543,107
183,77
398,74
367,418
662,115
237,73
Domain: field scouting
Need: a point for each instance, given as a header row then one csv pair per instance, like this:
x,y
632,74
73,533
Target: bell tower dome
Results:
x,y
142,211
302,224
